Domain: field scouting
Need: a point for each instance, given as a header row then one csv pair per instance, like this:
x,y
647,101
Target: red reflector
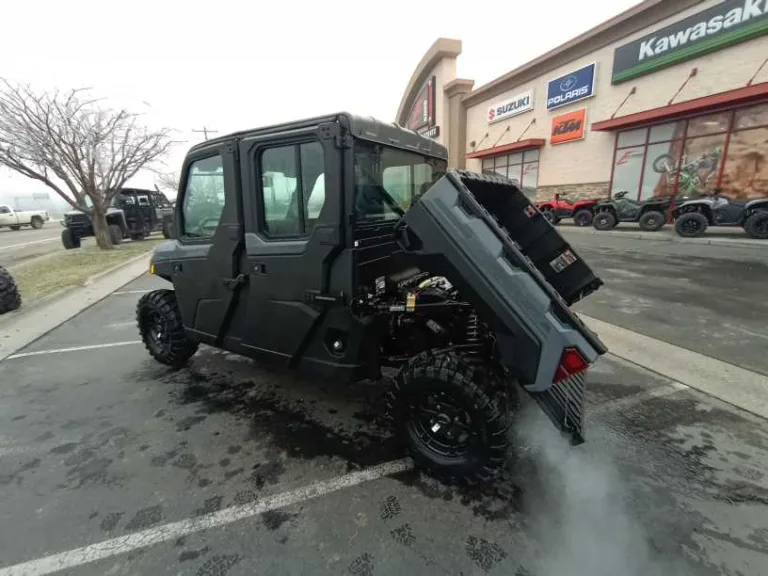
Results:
x,y
571,362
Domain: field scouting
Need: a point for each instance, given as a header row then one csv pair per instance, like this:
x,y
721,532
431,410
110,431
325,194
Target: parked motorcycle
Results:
x,y
694,216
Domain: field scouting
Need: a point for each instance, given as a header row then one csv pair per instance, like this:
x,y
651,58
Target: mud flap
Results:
x,y
563,403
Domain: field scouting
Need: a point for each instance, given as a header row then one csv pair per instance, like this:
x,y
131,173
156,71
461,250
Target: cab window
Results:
x,y
203,197
292,188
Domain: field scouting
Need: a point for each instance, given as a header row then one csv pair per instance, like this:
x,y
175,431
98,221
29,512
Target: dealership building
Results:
x,y
667,97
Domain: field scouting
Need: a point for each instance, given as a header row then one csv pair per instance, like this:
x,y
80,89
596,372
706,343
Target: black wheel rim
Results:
x,y
582,220
442,425
602,220
650,222
690,226
156,330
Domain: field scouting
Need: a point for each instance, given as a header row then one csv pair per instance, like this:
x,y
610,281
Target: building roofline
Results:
x,y
441,48
610,31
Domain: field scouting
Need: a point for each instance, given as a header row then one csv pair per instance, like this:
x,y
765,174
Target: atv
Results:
x,y
563,207
693,216
370,256
10,299
651,214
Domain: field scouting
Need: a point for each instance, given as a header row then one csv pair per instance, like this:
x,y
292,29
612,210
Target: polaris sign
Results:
x,y
724,24
572,87
512,107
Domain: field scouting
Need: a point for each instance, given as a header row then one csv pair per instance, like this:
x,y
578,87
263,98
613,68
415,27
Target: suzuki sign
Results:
x,y
572,87
516,105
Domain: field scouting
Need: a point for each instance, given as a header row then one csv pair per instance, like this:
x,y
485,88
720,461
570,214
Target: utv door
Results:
x,y
210,239
292,235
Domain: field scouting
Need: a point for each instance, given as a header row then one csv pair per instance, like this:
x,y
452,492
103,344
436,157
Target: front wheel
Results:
x,y
452,422
69,240
756,225
10,299
15,228
604,221
652,221
551,217
583,217
691,225
115,234
162,329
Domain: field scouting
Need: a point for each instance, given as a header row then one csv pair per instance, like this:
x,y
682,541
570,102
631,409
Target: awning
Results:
x,y
514,147
711,103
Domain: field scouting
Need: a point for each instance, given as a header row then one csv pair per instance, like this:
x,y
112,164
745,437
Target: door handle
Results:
x,y
260,268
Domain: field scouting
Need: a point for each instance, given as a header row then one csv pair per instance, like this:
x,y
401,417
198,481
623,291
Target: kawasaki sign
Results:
x,y
728,23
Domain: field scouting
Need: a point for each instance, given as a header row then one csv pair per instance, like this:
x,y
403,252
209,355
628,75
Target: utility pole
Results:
x,y
206,131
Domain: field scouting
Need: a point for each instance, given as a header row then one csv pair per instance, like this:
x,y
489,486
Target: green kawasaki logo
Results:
x,y
725,24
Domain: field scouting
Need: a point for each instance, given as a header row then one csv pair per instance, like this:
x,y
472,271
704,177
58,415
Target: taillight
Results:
x,y
571,362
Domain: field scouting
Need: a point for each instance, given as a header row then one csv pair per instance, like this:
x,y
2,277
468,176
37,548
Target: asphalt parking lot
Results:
x,y
113,464
18,245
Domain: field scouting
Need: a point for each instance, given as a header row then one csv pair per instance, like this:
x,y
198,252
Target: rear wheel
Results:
x,y
583,217
691,225
452,422
604,221
36,222
652,221
162,330
69,240
756,225
115,234
10,299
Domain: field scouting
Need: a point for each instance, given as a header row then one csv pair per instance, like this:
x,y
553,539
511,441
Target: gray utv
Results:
x,y
341,246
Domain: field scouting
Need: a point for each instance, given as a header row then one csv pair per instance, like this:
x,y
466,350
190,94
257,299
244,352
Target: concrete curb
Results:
x,y
27,326
662,237
742,388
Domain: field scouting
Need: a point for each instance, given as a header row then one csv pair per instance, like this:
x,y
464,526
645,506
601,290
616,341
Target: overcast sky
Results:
x,y
231,65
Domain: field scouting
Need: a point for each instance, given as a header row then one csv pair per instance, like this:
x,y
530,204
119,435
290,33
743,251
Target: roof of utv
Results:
x,y
366,128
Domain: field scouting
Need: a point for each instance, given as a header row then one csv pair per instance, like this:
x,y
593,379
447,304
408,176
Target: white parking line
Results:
x,y
28,243
122,324
174,530
121,292
73,349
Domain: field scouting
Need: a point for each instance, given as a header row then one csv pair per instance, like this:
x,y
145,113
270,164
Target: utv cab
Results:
x,y
342,246
650,214
133,213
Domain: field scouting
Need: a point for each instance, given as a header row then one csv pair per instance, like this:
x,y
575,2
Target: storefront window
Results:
x,y
695,156
632,138
521,167
660,170
627,170
666,132
745,174
751,117
710,124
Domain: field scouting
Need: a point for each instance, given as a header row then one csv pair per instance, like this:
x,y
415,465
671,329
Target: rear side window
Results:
x,y
203,197
292,188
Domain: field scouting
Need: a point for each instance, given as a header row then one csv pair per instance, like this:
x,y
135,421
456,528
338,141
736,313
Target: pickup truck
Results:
x,y
15,219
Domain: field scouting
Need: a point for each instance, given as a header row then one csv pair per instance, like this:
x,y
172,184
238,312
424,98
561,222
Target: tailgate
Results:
x,y
512,265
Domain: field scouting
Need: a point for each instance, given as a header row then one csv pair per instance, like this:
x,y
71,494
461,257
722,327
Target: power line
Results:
x,y
205,131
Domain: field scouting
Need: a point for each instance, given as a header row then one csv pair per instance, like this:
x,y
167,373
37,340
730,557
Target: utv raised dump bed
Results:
x,y
374,255
484,234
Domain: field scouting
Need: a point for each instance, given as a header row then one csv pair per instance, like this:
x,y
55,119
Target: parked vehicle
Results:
x,y
382,277
10,299
694,216
134,214
15,219
650,214
582,211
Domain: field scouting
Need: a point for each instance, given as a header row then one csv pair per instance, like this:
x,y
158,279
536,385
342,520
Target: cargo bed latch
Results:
x,y
316,297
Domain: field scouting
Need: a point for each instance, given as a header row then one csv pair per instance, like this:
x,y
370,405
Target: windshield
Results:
x,y
388,179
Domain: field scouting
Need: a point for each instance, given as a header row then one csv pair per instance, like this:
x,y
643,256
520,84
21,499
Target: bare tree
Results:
x,y
168,181
70,142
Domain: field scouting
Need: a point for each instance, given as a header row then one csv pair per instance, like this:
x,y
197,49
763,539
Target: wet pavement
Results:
x,y
99,444
708,299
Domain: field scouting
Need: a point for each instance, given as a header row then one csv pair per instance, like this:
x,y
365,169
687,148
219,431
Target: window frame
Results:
x,y
257,167
181,199
684,139
518,164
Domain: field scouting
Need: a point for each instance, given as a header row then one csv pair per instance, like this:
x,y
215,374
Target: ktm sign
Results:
x,y
569,127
